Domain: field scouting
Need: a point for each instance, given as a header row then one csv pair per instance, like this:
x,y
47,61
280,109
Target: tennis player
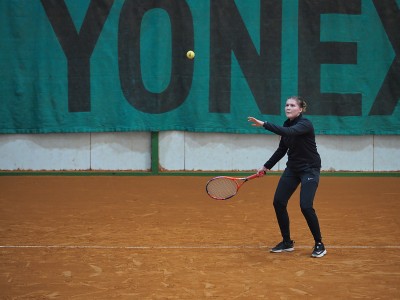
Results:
x,y
303,167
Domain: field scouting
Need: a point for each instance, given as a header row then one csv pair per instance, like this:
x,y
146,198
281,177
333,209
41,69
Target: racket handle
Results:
x,y
252,176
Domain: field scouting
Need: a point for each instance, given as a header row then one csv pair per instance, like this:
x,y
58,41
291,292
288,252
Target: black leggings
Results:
x,y
288,183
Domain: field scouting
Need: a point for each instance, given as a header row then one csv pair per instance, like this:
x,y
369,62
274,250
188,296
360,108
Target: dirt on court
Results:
x,y
162,237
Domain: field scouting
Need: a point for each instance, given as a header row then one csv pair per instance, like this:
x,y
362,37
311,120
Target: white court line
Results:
x,y
185,247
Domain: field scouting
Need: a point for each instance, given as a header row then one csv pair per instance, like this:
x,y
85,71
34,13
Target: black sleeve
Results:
x,y
303,126
277,156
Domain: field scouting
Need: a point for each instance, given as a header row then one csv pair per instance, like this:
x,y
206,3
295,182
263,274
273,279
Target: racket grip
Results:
x,y
253,176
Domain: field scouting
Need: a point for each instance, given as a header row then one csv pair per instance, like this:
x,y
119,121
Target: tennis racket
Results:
x,y
225,187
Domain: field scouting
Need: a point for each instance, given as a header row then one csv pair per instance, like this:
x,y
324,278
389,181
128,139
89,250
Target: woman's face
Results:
x,y
292,109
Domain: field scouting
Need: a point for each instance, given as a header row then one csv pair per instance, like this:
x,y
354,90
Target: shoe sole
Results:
x,y
280,251
319,255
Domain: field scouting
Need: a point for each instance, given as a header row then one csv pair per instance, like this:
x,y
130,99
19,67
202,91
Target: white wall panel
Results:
x,y
45,151
387,153
346,153
172,150
121,151
213,151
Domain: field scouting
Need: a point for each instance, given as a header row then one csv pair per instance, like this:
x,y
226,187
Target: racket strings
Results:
x,y
222,188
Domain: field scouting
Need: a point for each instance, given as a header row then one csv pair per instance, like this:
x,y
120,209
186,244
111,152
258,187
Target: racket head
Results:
x,y
222,187
225,187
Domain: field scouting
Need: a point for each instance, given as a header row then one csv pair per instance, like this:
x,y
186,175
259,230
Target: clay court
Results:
x,y
162,237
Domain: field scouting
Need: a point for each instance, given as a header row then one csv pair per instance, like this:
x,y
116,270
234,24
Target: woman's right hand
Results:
x,y
261,171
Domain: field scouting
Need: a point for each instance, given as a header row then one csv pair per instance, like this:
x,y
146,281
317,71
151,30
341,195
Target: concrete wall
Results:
x,y
187,151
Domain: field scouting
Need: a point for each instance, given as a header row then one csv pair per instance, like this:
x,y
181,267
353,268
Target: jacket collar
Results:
x,y
294,121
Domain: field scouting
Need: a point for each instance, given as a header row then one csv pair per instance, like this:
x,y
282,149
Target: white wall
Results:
x,y
213,151
186,151
75,151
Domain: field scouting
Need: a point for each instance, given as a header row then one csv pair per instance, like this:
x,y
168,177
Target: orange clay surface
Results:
x,y
162,237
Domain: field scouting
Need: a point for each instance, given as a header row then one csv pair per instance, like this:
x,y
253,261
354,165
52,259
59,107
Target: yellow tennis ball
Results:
x,y
190,54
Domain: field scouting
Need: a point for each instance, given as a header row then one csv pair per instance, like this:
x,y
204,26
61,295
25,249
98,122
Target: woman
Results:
x,y
303,167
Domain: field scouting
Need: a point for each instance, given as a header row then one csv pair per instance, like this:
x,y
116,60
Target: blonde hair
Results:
x,y
300,101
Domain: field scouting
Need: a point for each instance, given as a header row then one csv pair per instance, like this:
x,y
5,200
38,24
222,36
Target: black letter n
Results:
x,y
261,71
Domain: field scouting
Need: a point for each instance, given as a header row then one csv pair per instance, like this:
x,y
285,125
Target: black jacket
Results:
x,y
298,141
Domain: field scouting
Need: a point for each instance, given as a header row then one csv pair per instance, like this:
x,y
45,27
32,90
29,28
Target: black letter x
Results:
x,y
389,92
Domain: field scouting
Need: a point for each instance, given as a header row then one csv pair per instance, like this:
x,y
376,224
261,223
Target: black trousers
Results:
x,y
287,185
